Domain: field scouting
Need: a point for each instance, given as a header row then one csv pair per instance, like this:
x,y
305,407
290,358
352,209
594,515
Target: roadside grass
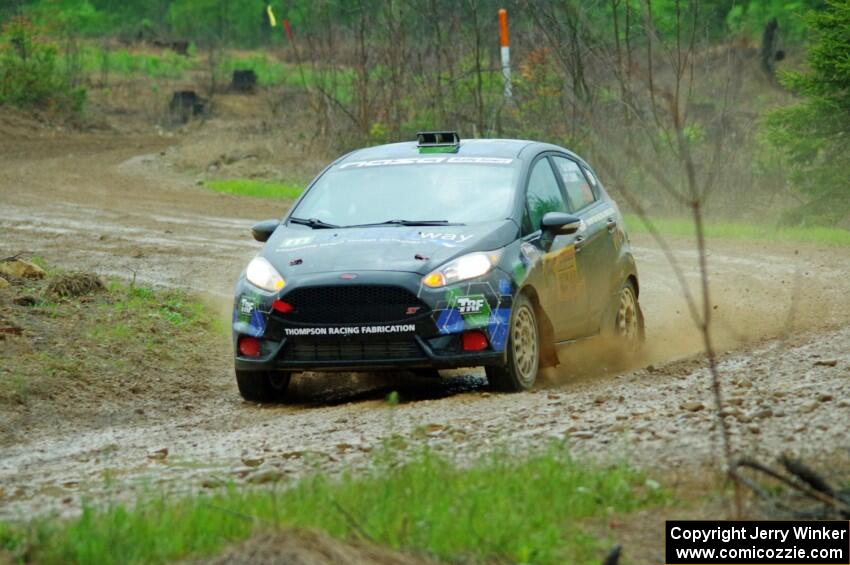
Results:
x,y
96,60
155,331
503,508
256,188
684,227
273,72
269,72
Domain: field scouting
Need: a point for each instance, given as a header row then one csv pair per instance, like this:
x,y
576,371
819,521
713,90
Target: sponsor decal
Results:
x,y
473,309
411,310
351,330
500,320
426,161
257,325
450,321
519,272
247,316
442,236
505,287
470,304
464,310
246,306
294,242
371,236
563,271
481,160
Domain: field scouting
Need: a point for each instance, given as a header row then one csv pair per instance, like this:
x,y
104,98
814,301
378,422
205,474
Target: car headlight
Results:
x,y
465,267
261,273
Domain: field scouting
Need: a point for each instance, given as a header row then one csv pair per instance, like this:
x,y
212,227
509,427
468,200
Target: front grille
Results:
x,y
347,350
353,304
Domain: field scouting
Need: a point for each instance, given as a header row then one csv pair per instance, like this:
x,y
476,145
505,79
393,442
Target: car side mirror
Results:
x,y
262,231
560,223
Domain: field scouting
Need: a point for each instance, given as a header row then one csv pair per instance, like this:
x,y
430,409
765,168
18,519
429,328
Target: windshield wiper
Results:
x,y
408,223
314,223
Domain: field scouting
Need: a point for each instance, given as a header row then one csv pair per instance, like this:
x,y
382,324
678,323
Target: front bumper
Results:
x,y
373,321
428,359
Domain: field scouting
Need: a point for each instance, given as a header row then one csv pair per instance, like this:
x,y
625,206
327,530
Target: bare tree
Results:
x,y
652,134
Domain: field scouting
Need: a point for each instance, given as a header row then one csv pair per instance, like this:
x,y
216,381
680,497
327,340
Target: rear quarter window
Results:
x,y
579,190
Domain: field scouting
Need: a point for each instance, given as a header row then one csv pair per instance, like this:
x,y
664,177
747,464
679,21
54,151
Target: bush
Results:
x,y
29,72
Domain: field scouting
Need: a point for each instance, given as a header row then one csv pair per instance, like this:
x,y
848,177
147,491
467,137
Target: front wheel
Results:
x,y
523,359
263,386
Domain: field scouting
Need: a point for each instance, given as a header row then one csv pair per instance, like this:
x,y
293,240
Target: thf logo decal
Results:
x,y
470,304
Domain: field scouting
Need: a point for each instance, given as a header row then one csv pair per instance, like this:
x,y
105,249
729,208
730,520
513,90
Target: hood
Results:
x,y
297,250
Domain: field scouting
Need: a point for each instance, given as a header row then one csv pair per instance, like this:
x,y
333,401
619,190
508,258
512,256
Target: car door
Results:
x,y
562,292
594,246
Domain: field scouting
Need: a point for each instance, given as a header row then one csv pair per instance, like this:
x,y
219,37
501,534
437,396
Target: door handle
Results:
x,y
612,225
579,243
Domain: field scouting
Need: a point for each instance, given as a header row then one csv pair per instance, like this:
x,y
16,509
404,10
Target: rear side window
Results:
x,y
578,189
544,195
591,177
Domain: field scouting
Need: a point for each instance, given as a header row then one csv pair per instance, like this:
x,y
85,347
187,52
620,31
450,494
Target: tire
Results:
x,y
628,328
263,386
523,351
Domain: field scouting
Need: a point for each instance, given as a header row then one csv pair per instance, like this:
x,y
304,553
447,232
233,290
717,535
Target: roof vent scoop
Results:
x,y
438,141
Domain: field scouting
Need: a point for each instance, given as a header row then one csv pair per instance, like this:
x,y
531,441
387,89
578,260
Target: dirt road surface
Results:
x,y
111,204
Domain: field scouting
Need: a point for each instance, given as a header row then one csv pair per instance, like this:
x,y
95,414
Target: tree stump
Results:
x,y
184,105
768,52
244,80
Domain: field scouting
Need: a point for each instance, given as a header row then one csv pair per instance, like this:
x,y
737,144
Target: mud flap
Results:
x,y
548,351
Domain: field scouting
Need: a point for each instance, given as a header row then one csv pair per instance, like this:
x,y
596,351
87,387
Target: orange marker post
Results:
x,y
504,42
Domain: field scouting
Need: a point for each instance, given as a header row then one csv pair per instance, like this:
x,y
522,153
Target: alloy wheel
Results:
x,y
524,343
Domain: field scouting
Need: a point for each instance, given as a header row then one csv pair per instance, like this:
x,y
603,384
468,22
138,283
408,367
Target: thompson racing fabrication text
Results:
x,y
351,330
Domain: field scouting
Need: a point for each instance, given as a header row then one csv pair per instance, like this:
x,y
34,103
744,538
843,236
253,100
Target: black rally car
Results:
x,y
432,255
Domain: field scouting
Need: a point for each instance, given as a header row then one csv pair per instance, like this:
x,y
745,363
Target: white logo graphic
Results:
x,y
467,305
295,241
460,238
246,306
426,161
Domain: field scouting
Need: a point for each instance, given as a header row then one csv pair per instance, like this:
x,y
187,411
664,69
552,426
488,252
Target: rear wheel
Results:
x,y
628,321
263,386
523,361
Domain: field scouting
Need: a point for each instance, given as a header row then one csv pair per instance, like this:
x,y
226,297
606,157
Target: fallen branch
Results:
x,y
13,257
803,480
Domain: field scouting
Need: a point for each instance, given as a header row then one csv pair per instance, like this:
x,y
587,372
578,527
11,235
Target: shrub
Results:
x,y
29,72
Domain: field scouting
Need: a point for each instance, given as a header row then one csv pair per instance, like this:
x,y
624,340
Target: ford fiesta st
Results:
x,y
436,254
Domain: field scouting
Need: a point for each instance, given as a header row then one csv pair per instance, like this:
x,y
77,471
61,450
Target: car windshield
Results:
x,y
458,190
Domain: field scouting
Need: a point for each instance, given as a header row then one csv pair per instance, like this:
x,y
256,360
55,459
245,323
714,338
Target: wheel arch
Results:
x,y
632,277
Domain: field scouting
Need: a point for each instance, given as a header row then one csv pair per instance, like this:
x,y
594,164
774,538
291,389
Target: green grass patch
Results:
x,y
256,188
269,72
272,72
86,341
167,64
510,508
684,227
